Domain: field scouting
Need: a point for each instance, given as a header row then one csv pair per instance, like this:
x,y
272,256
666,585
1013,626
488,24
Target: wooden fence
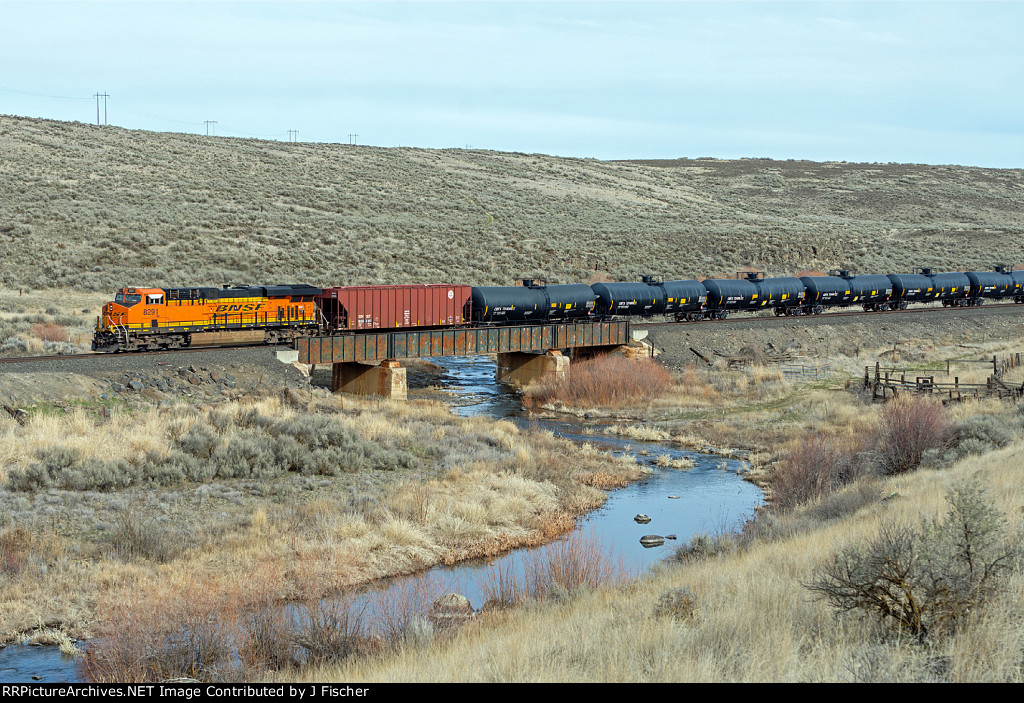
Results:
x,y
889,382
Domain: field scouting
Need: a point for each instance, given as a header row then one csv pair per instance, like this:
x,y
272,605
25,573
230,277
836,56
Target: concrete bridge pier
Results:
x,y
633,350
387,380
522,368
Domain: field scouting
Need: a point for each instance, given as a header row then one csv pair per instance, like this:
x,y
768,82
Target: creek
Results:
x,y
709,497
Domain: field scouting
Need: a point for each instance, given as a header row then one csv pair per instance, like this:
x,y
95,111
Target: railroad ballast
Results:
x,y
156,318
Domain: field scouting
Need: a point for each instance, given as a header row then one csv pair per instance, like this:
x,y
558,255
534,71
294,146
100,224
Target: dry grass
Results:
x,y
477,487
748,616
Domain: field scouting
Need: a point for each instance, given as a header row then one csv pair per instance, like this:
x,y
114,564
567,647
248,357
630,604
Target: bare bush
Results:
x,y
268,638
14,547
136,537
907,428
332,630
188,635
576,562
606,381
922,581
817,466
50,332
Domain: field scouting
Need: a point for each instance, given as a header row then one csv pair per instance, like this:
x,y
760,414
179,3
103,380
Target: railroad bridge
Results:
x,y
367,363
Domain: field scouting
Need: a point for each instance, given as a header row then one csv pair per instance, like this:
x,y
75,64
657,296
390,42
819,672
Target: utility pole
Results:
x,y
104,96
353,138
208,123
293,135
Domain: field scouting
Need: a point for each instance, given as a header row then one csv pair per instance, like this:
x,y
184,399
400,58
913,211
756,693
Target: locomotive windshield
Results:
x,y
127,300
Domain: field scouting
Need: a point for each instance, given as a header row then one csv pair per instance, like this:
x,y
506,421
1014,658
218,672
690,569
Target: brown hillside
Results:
x,y
92,208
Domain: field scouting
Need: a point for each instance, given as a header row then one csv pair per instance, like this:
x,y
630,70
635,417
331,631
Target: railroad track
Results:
x,y
740,317
827,315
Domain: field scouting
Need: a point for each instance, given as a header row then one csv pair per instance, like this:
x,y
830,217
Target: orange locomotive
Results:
x,y
172,318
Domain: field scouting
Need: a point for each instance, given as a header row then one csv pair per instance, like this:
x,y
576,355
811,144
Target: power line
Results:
x,y
293,135
208,123
40,95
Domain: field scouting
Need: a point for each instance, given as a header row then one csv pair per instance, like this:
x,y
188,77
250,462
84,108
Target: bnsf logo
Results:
x,y
241,307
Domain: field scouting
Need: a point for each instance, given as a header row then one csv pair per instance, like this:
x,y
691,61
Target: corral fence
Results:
x,y
890,382
789,365
803,370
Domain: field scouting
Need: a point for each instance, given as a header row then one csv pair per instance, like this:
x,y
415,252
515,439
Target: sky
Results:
x,y
921,82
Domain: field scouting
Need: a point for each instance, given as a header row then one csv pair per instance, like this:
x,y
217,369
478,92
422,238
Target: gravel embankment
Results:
x,y
203,375
825,336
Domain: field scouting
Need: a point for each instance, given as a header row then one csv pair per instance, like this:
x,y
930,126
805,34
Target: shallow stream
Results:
x,y
709,497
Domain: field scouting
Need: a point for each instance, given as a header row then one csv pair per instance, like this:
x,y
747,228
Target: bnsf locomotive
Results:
x,y
170,318
156,318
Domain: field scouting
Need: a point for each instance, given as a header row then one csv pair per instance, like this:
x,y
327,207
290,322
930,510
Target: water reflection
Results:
x,y
709,497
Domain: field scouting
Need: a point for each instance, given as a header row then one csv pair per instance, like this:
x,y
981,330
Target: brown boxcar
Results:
x,y
394,307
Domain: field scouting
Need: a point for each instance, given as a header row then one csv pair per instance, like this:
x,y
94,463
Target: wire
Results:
x,y
147,113
40,95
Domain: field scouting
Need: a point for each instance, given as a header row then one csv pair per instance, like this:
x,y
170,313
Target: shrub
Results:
x,y
14,547
332,630
138,537
606,381
705,546
573,563
906,429
190,635
980,434
50,332
268,640
818,466
676,603
923,580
